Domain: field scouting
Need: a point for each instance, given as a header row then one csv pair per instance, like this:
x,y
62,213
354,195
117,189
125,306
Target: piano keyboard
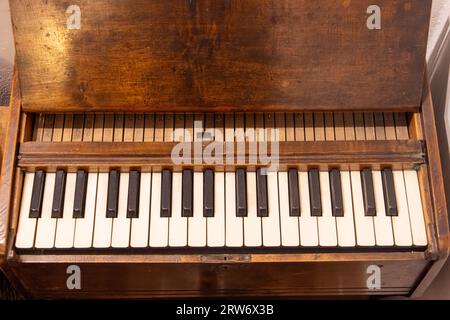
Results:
x,y
366,208
293,209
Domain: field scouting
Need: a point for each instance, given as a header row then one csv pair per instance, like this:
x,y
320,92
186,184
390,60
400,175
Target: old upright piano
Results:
x,y
333,93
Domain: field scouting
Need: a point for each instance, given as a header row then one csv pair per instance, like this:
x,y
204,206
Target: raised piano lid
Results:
x,y
220,55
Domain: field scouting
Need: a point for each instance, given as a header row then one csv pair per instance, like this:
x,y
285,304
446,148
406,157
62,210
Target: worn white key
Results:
x,y
271,224
309,234
327,223
65,228
46,225
178,225
197,223
345,225
382,223
216,225
102,225
234,225
121,224
159,227
416,216
84,228
400,223
365,234
27,226
289,225
140,226
252,223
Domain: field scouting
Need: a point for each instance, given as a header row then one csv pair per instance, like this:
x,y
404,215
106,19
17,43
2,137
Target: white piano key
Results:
x,y
178,225
382,223
234,229
27,226
102,225
140,226
159,227
252,223
309,234
121,225
416,215
289,225
84,228
197,223
46,225
326,223
271,224
345,225
216,225
65,228
400,223
365,233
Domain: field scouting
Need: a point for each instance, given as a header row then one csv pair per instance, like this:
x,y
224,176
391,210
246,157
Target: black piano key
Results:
x,y
79,200
59,194
241,193
113,194
368,194
37,194
134,185
294,194
337,203
390,200
314,193
261,193
166,194
208,193
187,186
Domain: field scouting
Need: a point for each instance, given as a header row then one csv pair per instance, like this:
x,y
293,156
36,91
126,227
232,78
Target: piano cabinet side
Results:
x,y
8,166
4,120
432,189
215,275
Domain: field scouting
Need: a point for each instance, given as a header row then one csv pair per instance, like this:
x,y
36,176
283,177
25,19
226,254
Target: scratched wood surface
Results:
x,y
10,135
227,55
103,156
4,115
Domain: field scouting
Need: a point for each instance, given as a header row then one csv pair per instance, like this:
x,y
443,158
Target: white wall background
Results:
x,y
6,42
439,20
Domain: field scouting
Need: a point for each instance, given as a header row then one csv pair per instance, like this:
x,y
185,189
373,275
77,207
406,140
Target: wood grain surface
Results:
x,y
227,55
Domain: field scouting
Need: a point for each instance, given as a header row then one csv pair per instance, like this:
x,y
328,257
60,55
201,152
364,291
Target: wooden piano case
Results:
x,y
222,56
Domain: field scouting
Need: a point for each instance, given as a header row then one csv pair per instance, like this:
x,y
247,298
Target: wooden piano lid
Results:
x,y
220,55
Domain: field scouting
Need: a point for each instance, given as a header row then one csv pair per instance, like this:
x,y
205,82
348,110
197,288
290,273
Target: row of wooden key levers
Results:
x,y
104,141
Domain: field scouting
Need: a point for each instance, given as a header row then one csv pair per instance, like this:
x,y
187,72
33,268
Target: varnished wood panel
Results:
x,y
8,163
220,55
104,155
4,117
139,280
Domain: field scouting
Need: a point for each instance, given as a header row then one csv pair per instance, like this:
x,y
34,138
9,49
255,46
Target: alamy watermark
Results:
x,y
74,17
73,281
244,147
374,279
374,20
